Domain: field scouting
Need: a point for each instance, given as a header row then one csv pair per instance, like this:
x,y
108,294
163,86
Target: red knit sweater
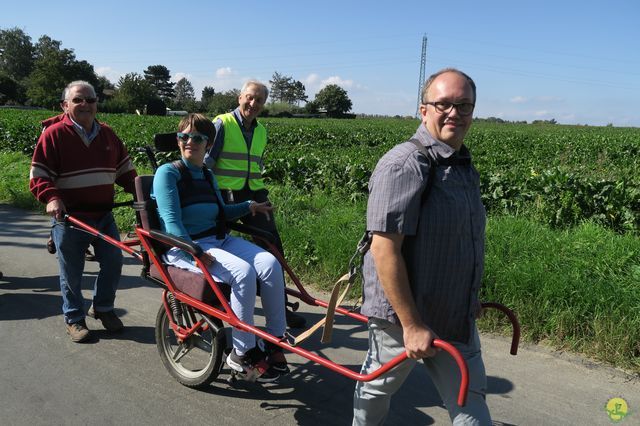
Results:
x,y
82,176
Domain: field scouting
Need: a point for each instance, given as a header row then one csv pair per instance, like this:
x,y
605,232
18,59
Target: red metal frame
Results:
x,y
226,314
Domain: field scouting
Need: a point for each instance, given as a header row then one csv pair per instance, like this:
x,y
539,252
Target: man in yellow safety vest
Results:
x,y
236,160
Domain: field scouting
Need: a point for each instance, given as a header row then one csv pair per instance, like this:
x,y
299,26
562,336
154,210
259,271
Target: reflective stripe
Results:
x,y
233,173
239,156
237,173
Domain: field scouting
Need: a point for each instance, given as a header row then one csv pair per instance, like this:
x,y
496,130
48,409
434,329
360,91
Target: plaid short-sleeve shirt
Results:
x,y
443,244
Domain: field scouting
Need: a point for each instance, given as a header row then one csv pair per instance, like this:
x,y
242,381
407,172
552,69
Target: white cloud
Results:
x,y
518,100
225,72
108,72
549,99
337,80
180,75
311,80
541,113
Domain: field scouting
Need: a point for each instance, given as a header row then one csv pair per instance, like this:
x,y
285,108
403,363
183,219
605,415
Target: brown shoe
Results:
x,y
51,247
78,331
109,319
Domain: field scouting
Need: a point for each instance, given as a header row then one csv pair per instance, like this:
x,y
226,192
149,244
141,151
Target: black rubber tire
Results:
x,y
202,360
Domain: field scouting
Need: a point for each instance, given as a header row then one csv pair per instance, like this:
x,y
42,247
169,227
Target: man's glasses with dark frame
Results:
x,y
463,108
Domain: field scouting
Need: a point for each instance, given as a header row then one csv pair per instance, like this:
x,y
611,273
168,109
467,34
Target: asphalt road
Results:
x,y
45,379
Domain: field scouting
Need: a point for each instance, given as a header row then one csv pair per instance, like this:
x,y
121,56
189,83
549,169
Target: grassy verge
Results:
x,y
14,181
577,289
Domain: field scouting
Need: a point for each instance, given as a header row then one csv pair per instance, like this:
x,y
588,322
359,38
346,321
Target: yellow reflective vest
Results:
x,y
236,165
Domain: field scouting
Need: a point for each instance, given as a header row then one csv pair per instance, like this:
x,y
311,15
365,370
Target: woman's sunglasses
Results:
x,y
195,137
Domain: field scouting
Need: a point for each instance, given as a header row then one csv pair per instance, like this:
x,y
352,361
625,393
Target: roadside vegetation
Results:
x,y
563,202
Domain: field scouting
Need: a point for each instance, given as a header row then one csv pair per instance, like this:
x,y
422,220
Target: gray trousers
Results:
x,y
372,399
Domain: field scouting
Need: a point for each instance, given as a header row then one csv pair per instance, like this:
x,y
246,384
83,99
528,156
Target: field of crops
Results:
x,y
556,175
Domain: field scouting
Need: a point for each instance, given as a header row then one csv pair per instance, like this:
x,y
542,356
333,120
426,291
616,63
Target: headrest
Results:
x,y
165,142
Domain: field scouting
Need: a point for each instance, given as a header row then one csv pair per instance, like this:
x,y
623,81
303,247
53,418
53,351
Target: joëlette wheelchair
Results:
x,y
195,309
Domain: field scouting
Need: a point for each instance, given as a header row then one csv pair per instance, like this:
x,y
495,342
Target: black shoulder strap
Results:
x,y
433,165
365,242
221,221
185,176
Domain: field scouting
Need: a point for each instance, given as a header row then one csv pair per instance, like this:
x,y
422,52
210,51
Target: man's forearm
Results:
x,y
386,250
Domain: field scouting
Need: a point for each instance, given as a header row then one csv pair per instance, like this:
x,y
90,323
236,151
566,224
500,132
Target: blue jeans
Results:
x,y
372,399
240,264
71,245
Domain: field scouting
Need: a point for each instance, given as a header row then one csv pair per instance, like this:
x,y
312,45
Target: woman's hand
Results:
x,y
265,208
207,258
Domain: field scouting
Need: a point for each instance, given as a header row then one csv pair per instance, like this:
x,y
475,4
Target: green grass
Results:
x,y
319,233
14,181
577,289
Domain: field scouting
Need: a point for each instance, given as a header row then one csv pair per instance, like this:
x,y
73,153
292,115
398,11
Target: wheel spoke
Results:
x,y
201,343
180,352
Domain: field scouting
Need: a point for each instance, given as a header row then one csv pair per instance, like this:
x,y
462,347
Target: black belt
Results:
x,y
208,232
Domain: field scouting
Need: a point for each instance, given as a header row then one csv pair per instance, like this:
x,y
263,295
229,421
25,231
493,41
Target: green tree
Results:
x,y
223,102
159,76
298,93
184,95
311,108
334,100
279,84
16,54
207,94
105,88
53,69
134,91
286,89
9,90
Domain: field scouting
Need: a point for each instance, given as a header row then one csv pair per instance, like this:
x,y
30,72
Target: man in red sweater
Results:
x,y
75,165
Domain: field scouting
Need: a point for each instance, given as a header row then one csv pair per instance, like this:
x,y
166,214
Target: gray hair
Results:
x,y
432,77
81,83
256,83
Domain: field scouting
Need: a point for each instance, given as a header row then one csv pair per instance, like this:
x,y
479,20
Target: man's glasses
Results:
x,y
78,101
195,137
464,108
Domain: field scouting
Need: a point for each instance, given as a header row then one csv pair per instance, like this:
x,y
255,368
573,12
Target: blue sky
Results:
x,y
575,61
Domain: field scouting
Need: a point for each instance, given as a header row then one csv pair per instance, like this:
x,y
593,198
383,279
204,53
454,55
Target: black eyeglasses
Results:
x,y
464,108
78,101
195,137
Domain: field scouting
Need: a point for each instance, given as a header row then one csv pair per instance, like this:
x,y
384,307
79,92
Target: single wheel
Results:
x,y
195,362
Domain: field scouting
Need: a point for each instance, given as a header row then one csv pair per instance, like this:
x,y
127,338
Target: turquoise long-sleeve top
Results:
x,y
194,218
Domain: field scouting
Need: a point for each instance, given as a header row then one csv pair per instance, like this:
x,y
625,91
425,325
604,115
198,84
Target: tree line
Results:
x,y
35,74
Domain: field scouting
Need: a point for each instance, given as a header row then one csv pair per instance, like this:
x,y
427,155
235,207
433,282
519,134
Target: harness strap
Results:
x,y
334,301
220,228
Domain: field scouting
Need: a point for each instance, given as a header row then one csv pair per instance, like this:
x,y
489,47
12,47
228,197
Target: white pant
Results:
x,y
372,399
239,264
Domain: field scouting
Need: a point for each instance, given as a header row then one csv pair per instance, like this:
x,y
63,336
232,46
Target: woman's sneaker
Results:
x,y
276,358
253,365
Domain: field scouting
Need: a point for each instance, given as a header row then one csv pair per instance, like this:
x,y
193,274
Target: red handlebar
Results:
x,y
515,340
